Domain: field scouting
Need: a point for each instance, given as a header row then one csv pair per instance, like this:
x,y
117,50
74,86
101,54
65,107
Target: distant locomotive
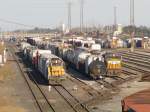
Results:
x,y
113,63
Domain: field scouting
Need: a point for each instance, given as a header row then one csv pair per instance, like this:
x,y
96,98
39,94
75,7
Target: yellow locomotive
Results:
x,y
113,63
52,68
56,68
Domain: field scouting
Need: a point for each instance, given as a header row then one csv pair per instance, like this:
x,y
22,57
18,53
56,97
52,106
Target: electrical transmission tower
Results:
x,y
81,15
69,15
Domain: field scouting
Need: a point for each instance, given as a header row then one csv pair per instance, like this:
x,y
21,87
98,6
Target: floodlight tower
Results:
x,y
115,18
81,15
69,15
132,12
132,24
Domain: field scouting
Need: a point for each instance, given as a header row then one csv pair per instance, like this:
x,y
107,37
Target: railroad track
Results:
x,y
91,91
138,62
36,91
73,102
116,80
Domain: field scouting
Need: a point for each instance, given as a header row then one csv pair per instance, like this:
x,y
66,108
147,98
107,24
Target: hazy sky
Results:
x,y
51,13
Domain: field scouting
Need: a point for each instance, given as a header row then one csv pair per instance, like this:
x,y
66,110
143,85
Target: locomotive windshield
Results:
x,y
56,62
113,55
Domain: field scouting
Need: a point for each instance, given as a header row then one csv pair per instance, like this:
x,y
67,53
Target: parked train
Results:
x,y
90,61
50,65
88,58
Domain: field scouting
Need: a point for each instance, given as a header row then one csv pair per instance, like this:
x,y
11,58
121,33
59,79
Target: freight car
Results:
x,y
138,102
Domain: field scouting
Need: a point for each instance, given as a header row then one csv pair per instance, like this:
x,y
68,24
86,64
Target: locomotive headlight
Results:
x,y
114,55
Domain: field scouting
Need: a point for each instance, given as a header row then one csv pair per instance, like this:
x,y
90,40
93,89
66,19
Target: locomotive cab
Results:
x,y
56,71
113,64
56,67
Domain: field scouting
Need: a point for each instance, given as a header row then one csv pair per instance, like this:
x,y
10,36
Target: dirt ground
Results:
x,y
113,104
14,94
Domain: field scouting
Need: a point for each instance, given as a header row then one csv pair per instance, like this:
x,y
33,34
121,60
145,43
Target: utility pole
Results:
x,y
81,15
132,24
132,12
69,15
115,18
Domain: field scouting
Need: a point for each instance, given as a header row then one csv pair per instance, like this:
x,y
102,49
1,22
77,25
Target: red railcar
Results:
x,y
138,102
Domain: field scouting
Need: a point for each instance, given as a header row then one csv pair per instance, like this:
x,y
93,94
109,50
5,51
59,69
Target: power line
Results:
x,y
17,23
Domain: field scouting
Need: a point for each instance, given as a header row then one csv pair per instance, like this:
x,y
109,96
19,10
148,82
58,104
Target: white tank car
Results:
x,y
80,59
24,45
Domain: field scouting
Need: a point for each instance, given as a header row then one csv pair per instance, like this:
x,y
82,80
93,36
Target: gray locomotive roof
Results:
x,y
49,56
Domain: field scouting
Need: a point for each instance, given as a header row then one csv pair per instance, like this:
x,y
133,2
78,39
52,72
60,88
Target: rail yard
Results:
x,y
76,75
74,56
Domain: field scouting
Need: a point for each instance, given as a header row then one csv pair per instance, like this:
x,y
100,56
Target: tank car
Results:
x,y
23,45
